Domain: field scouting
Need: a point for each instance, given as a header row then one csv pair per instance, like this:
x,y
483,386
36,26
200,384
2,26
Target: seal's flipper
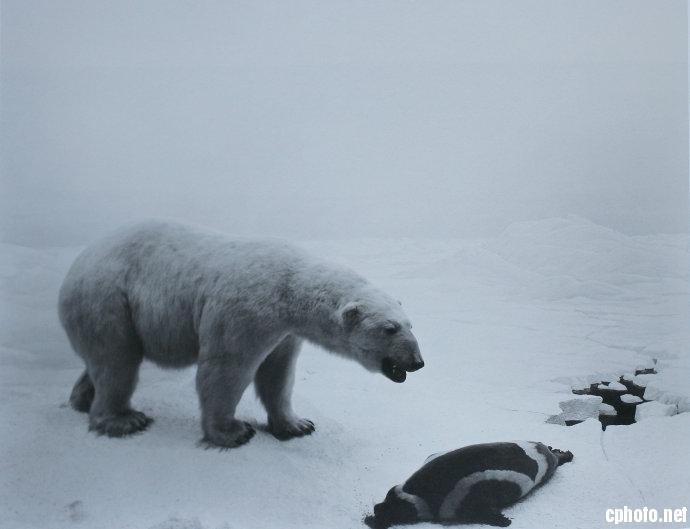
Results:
x,y
372,522
494,518
563,457
482,514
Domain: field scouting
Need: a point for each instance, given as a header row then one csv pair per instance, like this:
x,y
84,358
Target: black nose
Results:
x,y
415,366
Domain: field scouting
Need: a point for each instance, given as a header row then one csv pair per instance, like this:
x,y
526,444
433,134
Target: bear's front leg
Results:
x,y
274,381
220,383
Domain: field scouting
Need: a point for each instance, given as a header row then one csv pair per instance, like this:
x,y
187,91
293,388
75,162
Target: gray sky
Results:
x,y
339,119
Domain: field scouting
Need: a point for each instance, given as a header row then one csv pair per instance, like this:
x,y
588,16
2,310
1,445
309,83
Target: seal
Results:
x,y
472,484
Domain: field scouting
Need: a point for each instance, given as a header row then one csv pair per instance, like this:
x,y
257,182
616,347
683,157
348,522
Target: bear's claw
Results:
x,y
291,429
230,437
127,423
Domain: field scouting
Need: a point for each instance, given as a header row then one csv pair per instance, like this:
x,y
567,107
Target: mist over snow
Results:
x,y
348,119
514,171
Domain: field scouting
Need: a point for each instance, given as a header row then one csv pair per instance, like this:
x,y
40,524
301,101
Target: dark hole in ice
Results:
x,y
625,411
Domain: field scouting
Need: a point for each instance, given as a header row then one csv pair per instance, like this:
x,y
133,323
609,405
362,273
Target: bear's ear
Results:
x,y
350,315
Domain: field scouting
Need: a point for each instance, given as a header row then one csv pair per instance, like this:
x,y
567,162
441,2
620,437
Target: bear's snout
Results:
x,y
415,365
411,358
396,369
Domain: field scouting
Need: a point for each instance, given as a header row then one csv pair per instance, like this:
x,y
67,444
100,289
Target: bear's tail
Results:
x,y
82,393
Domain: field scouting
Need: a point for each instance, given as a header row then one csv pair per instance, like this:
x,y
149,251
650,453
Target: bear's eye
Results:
x,y
393,328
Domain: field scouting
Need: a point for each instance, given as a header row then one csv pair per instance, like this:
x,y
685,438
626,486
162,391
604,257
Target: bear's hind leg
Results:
x,y
110,412
82,393
274,381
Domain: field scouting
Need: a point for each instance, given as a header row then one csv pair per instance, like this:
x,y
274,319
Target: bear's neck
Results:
x,y
317,291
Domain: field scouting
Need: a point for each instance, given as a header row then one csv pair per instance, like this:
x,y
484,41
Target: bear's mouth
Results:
x,y
393,371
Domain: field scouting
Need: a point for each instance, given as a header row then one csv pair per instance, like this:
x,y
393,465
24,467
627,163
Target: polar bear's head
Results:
x,y
376,332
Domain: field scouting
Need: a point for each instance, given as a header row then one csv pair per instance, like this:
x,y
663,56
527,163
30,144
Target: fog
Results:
x,y
342,119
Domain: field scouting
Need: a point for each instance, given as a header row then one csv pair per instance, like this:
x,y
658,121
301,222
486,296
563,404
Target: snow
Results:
x,y
579,409
607,409
630,399
643,380
507,326
668,386
612,386
654,409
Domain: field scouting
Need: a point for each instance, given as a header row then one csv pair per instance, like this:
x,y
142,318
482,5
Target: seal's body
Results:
x,y
469,485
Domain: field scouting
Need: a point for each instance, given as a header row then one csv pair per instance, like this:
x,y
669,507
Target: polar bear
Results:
x,y
239,308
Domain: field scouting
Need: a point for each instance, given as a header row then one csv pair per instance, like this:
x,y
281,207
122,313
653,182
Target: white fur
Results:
x,y
239,308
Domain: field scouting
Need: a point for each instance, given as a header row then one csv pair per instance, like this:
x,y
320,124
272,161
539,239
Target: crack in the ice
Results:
x,y
619,469
630,348
523,411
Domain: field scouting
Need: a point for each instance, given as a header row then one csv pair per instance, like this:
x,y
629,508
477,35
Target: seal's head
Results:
x,y
394,510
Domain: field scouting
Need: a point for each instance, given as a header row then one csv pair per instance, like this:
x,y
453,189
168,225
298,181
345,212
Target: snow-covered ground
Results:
x,y
506,326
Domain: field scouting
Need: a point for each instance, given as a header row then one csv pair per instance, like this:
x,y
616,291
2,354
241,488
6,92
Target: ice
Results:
x,y
607,409
580,409
630,399
649,364
670,385
612,386
643,380
507,325
654,409
617,386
